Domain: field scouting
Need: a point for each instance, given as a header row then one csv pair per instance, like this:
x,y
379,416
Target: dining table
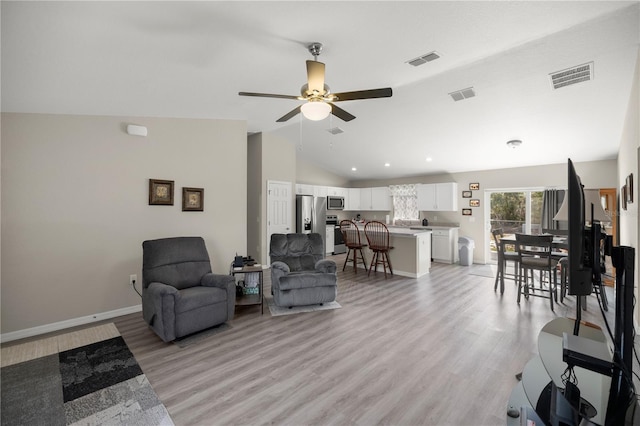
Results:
x,y
560,245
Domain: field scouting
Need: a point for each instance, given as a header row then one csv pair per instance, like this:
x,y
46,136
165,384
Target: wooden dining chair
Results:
x,y
351,235
377,235
535,253
504,256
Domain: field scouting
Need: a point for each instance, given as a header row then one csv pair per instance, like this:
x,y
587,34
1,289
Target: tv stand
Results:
x,y
601,381
548,367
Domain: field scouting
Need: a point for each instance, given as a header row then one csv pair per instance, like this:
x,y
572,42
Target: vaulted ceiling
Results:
x,y
190,59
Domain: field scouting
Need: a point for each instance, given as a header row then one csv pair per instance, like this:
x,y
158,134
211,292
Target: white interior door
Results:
x,y
279,210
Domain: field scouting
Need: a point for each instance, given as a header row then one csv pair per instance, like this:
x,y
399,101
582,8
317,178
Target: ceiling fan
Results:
x,y
320,102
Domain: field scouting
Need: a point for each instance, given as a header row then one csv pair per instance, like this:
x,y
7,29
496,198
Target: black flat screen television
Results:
x,y
580,275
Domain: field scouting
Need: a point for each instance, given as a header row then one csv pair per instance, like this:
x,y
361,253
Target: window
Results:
x,y
405,202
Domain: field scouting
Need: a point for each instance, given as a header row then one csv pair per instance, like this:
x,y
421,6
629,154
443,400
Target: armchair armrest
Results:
x,y
158,309
217,280
278,270
326,266
225,282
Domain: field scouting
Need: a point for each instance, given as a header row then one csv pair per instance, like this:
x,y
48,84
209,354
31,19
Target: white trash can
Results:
x,y
465,248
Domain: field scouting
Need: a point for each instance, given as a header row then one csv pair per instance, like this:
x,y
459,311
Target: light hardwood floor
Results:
x,y
440,350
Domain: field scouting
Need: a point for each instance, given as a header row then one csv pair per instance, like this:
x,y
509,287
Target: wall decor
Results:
x,y
466,194
160,192
623,197
466,212
474,186
474,203
192,199
629,186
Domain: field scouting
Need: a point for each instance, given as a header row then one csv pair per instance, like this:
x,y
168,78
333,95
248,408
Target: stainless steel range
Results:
x,y
338,246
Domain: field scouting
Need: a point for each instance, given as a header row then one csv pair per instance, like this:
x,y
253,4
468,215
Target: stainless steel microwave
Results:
x,y
335,203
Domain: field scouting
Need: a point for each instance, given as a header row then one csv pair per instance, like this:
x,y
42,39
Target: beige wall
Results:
x,y
628,159
311,174
254,197
271,158
75,207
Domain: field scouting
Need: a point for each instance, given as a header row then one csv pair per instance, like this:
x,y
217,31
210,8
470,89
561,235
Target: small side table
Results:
x,y
250,299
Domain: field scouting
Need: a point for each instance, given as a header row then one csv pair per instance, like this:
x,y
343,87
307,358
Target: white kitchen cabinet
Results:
x,y
365,199
330,239
381,198
304,189
352,200
319,191
376,199
438,196
444,245
335,191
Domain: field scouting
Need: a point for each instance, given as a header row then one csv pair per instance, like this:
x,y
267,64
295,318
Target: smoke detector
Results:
x,y
574,75
514,143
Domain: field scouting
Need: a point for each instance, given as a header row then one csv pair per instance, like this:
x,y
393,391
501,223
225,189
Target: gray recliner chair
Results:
x,y
300,275
180,295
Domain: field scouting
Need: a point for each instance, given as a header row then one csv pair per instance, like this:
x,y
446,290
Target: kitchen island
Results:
x,y
411,253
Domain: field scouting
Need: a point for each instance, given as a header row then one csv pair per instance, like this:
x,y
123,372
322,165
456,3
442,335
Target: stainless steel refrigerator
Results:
x,y
311,216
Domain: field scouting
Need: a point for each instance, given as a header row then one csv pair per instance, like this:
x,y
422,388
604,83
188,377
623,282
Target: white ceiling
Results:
x,y
190,59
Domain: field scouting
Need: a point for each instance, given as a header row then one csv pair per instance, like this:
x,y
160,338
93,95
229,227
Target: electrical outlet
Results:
x,y
133,279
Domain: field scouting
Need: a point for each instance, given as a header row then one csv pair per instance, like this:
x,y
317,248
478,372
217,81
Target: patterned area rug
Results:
x,y
97,383
278,311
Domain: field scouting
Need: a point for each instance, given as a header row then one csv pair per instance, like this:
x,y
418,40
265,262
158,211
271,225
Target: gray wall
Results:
x,y
75,207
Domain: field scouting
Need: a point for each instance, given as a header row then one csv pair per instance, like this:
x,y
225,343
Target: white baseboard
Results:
x,y
56,326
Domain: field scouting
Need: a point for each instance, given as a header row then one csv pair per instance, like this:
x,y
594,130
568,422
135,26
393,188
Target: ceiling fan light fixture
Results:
x,y
316,111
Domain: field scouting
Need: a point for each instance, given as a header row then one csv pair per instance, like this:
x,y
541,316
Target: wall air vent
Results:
x,y
335,130
571,76
431,56
459,95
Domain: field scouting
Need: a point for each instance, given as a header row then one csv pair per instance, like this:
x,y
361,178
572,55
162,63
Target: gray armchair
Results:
x,y
300,275
180,295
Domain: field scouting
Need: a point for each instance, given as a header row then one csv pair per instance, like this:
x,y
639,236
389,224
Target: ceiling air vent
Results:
x,y
459,95
571,76
335,130
431,56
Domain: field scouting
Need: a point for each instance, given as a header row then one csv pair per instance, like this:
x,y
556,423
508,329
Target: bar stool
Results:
x,y
378,238
351,235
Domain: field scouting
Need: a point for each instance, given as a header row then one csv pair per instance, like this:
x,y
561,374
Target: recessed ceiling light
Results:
x,y
514,143
429,159
353,169
387,165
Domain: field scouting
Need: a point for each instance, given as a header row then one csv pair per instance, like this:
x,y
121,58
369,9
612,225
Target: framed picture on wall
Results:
x,y
629,186
466,194
160,192
623,197
192,199
474,186
474,203
467,212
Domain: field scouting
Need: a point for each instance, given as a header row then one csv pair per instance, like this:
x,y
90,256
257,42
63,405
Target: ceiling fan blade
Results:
x,y
267,95
363,94
289,115
341,114
315,76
